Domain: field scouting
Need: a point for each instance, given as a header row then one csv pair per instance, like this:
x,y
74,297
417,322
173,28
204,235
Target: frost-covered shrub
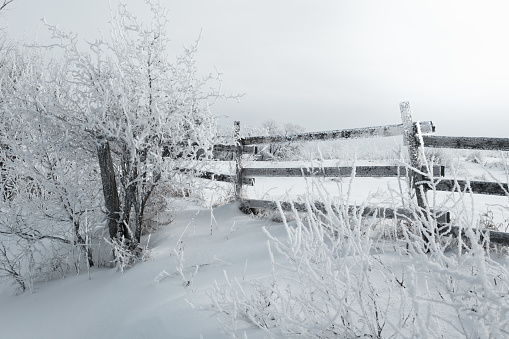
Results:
x,y
35,247
438,156
333,276
280,150
348,150
477,157
48,193
458,285
326,282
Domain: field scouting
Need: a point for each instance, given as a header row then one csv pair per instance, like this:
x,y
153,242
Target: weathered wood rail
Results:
x,y
355,133
360,171
476,187
443,218
224,178
495,237
232,148
479,143
382,212
218,177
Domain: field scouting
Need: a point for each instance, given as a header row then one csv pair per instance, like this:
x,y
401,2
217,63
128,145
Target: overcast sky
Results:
x,y
331,64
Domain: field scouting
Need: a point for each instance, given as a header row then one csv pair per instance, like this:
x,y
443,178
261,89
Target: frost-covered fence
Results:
x,y
360,171
473,143
415,135
248,145
416,139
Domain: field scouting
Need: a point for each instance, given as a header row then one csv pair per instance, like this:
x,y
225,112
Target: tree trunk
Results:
x,y
109,188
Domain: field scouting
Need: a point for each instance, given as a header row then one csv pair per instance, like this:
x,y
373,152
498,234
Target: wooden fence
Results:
x,y
407,128
479,187
414,134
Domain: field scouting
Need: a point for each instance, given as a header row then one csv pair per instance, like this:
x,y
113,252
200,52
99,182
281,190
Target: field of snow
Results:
x,y
203,272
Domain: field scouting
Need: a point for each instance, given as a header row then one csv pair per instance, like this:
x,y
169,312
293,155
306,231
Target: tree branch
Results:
x,y
5,3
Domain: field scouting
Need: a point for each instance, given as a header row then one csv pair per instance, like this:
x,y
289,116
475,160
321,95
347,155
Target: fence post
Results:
x,y
238,161
413,151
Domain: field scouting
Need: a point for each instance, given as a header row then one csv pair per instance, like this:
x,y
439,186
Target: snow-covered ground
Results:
x,y
169,293
150,300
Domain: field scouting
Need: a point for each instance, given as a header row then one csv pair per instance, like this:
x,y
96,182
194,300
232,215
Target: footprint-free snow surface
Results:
x,y
151,299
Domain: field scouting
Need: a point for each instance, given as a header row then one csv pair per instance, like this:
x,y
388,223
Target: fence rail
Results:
x,y
232,148
477,187
360,171
383,212
355,133
500,144
218,177
224,178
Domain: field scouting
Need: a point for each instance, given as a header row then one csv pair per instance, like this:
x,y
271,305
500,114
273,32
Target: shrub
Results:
x,y
334,277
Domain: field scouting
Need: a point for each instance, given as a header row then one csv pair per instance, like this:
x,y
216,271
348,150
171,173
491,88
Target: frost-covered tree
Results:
x,y
148,115
111,120
47,194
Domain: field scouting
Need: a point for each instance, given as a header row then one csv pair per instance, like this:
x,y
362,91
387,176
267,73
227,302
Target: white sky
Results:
x,y
332,64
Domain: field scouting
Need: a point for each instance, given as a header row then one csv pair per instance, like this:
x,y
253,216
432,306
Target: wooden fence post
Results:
x,y
413,152
238,161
